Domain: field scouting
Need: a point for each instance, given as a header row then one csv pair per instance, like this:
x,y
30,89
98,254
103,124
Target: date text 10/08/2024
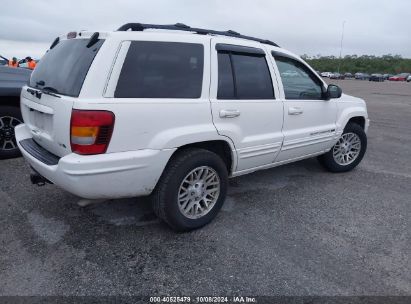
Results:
x,y
182,299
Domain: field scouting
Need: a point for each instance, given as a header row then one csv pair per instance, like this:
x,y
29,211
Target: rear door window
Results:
x,y
64,67
161,70
243,76
252,77
225,77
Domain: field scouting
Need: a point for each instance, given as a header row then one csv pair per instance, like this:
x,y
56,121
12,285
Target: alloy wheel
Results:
x,y
199,192
7,139
347,149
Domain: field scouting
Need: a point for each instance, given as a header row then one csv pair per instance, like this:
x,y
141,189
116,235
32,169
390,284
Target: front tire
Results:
x,y
191,190
10,117
348,152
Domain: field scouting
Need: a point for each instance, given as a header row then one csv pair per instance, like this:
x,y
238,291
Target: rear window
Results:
x,y
161,70
64,67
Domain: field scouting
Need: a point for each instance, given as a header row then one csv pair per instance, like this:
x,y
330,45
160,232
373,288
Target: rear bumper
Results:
x,y
104,176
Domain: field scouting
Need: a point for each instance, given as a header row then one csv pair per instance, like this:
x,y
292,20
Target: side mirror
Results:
x,y
333,91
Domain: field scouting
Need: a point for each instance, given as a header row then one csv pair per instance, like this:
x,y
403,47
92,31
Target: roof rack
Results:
x,y
182,27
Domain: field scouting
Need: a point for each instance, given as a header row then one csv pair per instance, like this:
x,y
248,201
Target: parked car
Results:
x,y
399,77
348,75
362,76
290,73
358,75
3,60
377,77
326,74
11,82
336,75
409,78
172,115
387,76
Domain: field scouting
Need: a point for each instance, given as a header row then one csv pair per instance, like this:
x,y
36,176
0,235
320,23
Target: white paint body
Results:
x,y
148,131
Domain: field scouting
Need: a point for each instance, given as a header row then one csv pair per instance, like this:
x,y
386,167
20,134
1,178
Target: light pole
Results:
x,y
341,45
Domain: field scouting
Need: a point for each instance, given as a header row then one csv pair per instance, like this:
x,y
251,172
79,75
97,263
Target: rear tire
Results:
x,y
191,190
348,152
10,117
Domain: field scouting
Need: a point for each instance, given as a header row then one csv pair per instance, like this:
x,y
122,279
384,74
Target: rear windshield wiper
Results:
x,y
50,91
55,42
93,40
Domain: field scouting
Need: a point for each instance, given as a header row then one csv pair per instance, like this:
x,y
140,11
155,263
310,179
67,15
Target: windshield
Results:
x,y
64,67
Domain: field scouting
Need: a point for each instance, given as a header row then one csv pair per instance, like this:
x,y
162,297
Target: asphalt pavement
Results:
x,y
291,230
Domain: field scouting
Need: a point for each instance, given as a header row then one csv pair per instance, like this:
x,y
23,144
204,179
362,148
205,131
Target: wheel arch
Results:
x,y
352,114
359,120
221,147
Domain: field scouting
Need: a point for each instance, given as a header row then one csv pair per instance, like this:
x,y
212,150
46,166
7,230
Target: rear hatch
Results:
x,y
55,84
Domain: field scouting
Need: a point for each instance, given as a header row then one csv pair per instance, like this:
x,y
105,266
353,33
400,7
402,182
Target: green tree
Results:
x,y
391,64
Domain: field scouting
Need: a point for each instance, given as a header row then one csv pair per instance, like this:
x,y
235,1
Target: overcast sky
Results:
x,y
375,27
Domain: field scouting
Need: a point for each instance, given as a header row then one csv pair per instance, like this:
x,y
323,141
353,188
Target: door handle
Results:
x,y
229,113
295,111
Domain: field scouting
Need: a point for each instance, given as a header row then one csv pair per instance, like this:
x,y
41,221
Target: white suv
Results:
x,y
326,74
173,111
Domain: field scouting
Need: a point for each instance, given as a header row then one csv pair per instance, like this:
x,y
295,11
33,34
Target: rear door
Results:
x,y
55,84
243,100
309,119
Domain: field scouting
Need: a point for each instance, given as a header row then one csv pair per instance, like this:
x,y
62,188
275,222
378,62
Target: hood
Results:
x,y
353,99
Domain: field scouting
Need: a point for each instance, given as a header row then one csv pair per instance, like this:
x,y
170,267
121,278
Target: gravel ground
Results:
x,y
291,230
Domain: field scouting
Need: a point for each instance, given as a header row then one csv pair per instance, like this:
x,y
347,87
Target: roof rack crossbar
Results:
x,y
182,27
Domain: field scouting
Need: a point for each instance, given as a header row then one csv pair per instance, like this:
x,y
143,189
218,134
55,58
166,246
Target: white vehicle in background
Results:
x,y
409,78
326,74
290,74
174,112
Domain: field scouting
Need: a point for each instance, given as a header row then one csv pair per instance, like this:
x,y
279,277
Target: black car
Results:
x,y
377,77
11,82
348,75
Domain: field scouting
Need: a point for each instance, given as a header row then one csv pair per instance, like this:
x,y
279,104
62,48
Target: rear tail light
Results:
x,y
90,131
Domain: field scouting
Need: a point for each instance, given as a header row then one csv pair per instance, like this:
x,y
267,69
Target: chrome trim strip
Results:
x,y
259,150
307,141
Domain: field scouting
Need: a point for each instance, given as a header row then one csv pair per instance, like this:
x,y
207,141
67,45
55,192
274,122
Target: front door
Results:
x,y
243,101
309,119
